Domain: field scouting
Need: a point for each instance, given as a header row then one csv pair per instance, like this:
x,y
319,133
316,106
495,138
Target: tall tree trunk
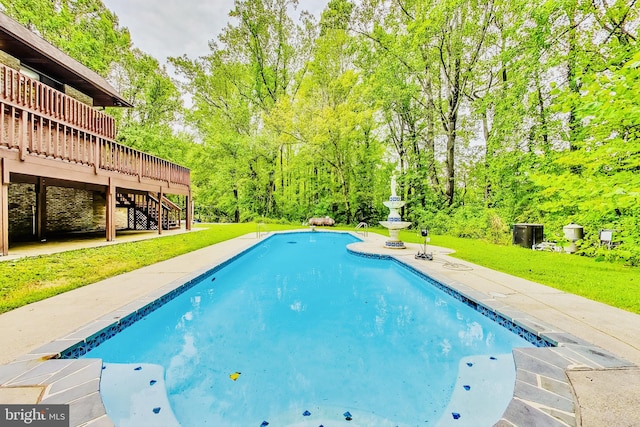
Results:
x,y
451,127
542,113
282,187
574,86
450,158
488,157
236,214
430,143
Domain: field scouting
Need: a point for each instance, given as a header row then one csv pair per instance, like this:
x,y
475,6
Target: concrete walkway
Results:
x,y
602,394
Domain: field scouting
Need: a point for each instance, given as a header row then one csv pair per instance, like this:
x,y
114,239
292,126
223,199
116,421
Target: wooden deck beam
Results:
x,y
66,174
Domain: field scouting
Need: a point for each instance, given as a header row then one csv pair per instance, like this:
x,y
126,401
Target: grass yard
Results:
x,y
612,284
32,279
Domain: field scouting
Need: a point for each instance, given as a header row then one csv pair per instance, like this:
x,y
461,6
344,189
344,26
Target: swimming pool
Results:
x,y
300,332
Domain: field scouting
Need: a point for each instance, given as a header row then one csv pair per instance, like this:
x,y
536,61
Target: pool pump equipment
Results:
x,y
424,255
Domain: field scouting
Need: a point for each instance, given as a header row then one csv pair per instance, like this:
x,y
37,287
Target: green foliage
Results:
x,y
490,113
84,29
597,185
472,221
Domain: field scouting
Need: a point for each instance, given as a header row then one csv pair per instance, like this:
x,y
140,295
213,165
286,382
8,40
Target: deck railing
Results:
x,y
36,119
24,92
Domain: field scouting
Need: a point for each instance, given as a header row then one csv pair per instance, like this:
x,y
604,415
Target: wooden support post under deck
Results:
x,y
111,212
4,208
41,209
189,208
160,219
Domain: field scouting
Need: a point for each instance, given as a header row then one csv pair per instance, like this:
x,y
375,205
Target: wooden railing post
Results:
x,y
4,208
96,155
24,135
2,116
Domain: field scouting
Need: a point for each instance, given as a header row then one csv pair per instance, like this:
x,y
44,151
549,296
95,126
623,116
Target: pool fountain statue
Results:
x,y
394,223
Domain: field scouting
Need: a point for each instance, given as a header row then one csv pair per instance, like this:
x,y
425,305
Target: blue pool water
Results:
x,y
300,332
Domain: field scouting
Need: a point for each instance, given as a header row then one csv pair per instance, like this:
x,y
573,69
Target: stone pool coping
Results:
x,y
543,394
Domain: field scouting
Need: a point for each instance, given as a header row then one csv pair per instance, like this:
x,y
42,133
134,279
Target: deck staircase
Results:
x,y
142,211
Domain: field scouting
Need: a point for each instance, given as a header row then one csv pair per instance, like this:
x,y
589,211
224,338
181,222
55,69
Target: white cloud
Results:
x,y
164,28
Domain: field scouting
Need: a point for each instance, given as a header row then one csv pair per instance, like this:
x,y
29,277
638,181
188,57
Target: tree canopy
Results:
x,y
490,112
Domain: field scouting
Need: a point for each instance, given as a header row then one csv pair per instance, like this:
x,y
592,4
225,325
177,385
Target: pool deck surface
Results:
x,y
573,385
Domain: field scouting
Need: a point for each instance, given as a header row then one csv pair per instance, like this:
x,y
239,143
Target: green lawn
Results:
x,y
612,284
33,279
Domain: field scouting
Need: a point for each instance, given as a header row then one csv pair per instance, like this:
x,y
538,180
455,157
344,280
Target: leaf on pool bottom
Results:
x,y
235,375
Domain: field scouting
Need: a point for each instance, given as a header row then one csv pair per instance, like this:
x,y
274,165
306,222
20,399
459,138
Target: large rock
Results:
x,y
321,221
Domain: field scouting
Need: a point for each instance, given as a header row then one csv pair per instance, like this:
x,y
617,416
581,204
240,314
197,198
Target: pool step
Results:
x,y
483,391
134,395
328,415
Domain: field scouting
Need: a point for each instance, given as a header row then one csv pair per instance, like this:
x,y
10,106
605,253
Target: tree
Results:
x,y
84,29
149,125
437,46
341,121
240,82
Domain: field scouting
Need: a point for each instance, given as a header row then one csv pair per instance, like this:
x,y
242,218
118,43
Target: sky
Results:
x,y
164,28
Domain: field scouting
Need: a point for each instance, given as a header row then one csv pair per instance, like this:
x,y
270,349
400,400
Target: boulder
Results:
x,y
326,221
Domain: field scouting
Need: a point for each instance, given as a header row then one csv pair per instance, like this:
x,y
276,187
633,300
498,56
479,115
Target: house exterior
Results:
x,y
61,169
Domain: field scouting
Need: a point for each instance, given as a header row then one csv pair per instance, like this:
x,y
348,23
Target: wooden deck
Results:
x,y
50,138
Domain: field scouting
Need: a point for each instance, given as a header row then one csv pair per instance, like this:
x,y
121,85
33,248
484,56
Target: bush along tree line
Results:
x,y
490,112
